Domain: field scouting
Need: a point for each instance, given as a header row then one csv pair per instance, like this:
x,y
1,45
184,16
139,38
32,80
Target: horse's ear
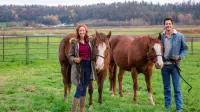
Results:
x,y
159,36
97,34
109,35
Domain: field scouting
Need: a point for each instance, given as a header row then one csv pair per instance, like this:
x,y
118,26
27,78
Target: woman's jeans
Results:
x,y
167,71
86,71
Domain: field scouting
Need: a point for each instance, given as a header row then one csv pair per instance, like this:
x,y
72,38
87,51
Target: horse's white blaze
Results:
x,y
158,50
100,60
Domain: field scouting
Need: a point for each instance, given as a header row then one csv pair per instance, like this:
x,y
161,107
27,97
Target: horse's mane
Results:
x,y
102,37
144,41
139,48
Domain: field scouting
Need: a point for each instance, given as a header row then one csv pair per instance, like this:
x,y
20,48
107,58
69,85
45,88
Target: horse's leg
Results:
x,y
90,91
148,76
120,78
100,81
134,74
112,78
64,69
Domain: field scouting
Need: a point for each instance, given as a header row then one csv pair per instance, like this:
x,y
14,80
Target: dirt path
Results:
x,y
194,31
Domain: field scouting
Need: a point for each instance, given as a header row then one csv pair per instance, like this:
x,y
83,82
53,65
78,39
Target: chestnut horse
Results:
x,y
102,49
136,55
101,45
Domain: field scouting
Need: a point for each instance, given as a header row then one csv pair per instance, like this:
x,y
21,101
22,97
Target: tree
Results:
x,y
50,20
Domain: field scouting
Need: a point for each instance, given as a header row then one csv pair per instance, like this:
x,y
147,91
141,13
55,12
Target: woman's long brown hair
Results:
x,y
86,38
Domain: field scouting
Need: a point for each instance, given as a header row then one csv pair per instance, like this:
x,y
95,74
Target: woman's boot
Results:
x,y
74,104
82,104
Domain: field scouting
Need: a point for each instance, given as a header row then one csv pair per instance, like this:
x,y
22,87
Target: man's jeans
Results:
x,y
167,71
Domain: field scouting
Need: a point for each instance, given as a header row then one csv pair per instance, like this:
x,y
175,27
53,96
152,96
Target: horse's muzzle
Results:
x,y
158,66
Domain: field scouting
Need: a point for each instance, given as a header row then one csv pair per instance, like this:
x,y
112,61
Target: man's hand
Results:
x,y
77,60
176,58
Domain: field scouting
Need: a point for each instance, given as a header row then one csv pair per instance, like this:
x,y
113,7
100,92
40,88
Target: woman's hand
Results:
x,y
77,60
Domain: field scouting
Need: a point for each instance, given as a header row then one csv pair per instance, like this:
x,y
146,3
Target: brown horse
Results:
x,y
136,55
102,48
101,43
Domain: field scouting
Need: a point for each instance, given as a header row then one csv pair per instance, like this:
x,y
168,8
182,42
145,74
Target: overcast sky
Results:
x,y
80,2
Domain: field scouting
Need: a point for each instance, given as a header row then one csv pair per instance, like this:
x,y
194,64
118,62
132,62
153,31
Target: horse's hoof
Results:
x,y
135,102
121,94
65,98
152,103
90,107
100,102
112,95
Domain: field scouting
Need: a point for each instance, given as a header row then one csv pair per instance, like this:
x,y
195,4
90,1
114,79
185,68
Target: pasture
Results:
x,y
38,85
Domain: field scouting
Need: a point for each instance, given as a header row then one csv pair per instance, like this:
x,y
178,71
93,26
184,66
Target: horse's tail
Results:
x,y
114,70
66,74
69,82
112,76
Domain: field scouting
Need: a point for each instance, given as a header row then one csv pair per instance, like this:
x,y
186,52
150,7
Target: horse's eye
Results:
x,y
153,49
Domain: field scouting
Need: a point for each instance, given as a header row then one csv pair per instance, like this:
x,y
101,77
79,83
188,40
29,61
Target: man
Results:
x,y
175,49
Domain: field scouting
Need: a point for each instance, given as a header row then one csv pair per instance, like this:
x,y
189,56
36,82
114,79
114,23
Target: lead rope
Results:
x,y
179,70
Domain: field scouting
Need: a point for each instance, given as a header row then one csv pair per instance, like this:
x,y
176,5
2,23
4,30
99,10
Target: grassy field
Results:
x,y
37,87
140,30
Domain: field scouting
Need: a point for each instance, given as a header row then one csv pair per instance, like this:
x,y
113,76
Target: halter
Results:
x,y
103,56
152,57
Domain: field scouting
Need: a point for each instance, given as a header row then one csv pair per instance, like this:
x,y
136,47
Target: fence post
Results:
x,y
27,50
48,47
192,45
3,46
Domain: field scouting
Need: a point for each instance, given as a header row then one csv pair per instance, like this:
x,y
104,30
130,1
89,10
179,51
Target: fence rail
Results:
x,y
28,48
44,47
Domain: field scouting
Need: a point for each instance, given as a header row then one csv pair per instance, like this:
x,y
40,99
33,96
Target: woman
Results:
x,y
82,70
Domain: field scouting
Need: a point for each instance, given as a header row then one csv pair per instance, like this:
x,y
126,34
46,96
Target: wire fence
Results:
x,y
45,47
193,45
29,48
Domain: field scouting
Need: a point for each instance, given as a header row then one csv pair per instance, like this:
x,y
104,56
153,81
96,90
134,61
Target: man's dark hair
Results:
x,y
166,19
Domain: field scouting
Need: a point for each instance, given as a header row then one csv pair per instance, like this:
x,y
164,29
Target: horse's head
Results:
x,y
155,52
102,48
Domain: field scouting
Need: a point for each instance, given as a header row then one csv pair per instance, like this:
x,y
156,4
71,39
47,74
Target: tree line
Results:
x,y
131,13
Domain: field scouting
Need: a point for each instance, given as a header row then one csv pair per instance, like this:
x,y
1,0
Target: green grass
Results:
x,y
7,24
2,24
38,87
